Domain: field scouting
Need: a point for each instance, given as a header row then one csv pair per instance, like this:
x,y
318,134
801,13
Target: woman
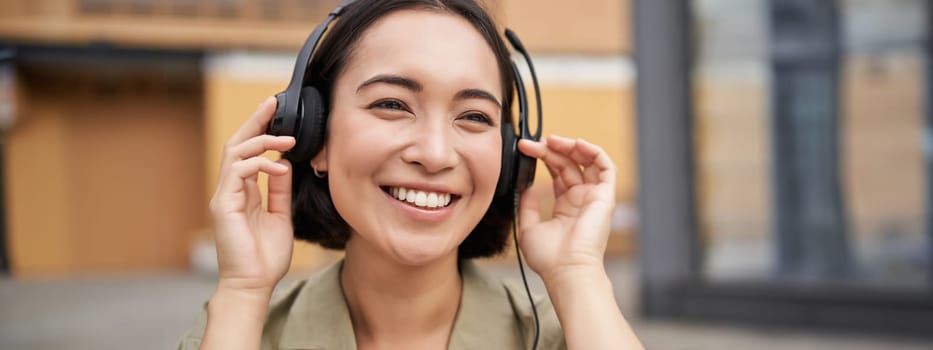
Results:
x,y
418,92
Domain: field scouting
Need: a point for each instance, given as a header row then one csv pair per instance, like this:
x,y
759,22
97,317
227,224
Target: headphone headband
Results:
x,y
524,127
293,92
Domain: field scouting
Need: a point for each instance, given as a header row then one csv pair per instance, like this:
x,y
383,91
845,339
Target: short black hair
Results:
x,y
314,216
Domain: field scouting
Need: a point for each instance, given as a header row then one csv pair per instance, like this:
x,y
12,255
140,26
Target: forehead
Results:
x,y
426,43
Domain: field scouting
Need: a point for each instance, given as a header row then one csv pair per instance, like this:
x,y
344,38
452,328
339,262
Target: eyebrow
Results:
x,y
415,86
392,80
477,93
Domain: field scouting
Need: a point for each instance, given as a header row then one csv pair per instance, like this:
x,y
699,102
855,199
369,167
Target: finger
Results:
x,y
256,124
246,170
260,144
280,191
564,170
598,170
534,149
253,196
528,210
580,151
584,154
597,166
568,148
539,150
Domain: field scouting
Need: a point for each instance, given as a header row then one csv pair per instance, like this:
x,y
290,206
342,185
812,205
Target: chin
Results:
x,y
421,252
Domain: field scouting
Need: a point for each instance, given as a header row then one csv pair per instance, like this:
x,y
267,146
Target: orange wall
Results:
x,y
585,26
36,185
102,177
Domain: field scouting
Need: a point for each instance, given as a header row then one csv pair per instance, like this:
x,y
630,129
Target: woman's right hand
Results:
x,y
254,244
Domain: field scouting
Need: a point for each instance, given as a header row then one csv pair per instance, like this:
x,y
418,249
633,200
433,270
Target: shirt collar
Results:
x,y
486,313
319,318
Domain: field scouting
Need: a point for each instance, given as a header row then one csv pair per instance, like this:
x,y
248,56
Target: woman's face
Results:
x,y
414,147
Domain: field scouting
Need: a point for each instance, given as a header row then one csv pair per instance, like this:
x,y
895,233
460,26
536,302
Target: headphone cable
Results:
x,y
521,268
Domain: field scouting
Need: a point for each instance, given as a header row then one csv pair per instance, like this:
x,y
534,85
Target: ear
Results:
x,y
319,161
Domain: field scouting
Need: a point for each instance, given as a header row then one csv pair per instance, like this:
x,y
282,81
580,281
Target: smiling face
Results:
x,y
414,143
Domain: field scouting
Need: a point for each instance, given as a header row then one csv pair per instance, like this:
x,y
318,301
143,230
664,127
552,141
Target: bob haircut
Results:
x,y
313,214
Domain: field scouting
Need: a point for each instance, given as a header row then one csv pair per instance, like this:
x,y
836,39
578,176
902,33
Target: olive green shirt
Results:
x,y
312,314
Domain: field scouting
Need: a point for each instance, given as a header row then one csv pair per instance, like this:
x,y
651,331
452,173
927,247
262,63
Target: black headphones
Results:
x,y
301,112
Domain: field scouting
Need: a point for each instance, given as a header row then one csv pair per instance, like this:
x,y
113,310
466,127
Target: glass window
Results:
x,y
885,180
809,148
731,137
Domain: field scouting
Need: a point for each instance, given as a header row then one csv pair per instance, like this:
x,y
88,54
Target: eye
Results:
x,y
477,117
389,104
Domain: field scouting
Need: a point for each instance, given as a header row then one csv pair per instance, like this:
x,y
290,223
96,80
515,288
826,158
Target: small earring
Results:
x,y
318,174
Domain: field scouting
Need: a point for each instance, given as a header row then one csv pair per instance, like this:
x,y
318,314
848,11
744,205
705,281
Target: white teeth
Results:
x,y
421,199
432,200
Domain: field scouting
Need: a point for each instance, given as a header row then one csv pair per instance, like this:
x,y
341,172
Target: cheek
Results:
x,y
351,160
485,161
356,147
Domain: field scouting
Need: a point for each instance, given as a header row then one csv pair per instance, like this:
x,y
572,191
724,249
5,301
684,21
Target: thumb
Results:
x,y
528,207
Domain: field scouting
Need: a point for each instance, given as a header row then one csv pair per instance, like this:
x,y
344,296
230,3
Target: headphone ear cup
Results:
x,y
309,134
282,123
506,184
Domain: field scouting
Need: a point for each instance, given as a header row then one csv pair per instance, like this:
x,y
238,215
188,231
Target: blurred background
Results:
x,y
774,161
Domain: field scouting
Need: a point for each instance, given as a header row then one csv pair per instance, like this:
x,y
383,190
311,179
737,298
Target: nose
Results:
x,y
431,146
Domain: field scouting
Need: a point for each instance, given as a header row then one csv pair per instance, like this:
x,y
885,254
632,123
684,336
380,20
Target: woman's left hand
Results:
x,y
584,192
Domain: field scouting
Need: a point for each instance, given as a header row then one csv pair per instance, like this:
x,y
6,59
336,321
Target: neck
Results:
x,y
393,304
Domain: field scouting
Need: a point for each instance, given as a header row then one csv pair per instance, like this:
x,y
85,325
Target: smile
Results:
x,y
421,199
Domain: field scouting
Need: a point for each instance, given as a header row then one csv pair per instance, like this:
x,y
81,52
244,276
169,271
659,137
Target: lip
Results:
x,y
418,214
